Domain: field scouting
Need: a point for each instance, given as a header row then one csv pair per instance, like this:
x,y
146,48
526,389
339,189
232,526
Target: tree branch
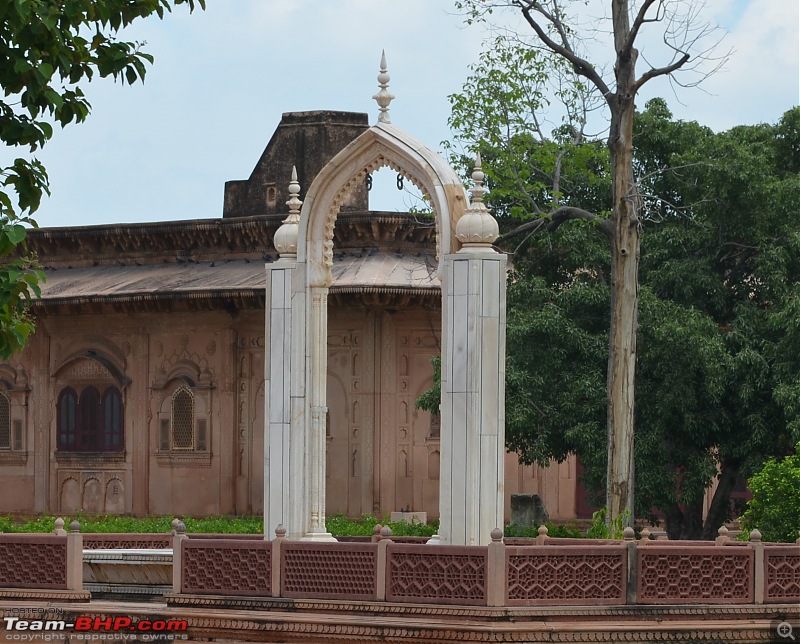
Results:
x,y
637,24
581,66
552,221
660,71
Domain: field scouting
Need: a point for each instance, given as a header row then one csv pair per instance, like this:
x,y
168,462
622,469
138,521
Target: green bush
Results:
x,y
601,529
775,507
131,525
339,526
553,530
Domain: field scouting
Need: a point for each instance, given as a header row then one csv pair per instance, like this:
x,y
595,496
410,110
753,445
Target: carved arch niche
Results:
x,y
183,428
14,442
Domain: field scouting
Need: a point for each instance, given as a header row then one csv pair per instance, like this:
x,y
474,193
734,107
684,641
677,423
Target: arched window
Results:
x,y
90,420
183,419
66,420
112,420
89,423
5,422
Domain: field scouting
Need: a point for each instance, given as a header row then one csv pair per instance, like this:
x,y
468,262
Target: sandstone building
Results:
x,y
142,390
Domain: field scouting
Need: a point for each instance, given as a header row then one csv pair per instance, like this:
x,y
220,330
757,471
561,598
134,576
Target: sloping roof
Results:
x,y
351,273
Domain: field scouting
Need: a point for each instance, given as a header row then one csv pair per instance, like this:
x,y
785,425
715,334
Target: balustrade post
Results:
x,y
496,570
74,561
384,539
277,544
632,578
178,537
758,566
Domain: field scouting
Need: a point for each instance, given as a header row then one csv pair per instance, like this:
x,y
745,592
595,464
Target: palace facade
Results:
x,y
142,389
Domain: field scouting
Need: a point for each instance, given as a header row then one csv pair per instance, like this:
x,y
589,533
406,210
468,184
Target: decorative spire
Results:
x,y
477,191
477,228
383,97
285,240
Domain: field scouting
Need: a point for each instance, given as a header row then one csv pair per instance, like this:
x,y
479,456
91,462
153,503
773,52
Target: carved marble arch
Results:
x,y
383,145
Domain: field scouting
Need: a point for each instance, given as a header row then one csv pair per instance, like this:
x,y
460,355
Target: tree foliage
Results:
x,y
719,342
48,50
552,27
775,507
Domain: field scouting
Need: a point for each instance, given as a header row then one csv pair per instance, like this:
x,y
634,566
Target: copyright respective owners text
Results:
x,y
34,624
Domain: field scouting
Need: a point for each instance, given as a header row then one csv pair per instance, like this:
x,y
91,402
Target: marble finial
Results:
x,y
383,97
285,240
477,228
294,202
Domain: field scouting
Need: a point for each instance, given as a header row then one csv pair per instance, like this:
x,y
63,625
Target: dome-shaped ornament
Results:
x,y
477,228
285,240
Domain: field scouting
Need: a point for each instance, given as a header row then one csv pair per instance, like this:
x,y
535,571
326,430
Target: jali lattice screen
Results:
x,y
695,574
438,574
782,573
225,566
334,571
565,575
33,562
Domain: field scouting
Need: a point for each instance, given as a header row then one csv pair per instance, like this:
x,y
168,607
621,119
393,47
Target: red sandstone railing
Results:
x,y
117,541
543,572
224,566
42,561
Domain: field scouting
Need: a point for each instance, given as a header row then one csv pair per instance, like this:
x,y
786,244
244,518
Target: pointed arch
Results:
x,y
383,145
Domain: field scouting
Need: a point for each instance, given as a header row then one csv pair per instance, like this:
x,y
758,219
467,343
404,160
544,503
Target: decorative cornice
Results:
x,y
250,237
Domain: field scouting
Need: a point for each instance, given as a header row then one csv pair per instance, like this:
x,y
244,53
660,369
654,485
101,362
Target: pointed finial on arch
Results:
x,y
383,97
285,240
294,202
477,190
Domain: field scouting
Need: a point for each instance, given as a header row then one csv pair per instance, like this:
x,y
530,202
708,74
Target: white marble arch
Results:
x,y
297,326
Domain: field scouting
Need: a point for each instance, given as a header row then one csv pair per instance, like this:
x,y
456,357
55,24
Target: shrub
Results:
x,y
553,530
775,507
601,529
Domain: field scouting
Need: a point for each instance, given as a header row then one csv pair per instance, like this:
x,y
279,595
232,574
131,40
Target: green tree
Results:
x,y
48,50
553,29
719,342
775,507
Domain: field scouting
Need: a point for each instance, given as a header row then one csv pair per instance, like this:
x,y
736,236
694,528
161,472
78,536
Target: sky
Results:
x,y
163,150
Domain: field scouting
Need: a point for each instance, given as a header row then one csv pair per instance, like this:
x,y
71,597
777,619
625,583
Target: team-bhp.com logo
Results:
x,y
95,628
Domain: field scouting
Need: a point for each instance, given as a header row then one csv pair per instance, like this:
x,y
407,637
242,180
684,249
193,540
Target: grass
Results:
x,y
127,524
562,531
338,525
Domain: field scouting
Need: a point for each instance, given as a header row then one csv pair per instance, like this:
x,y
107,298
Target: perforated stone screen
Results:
x,y
329,570
782,573
33,562
97,540
183,420
565,575
436,574
217,566
695,574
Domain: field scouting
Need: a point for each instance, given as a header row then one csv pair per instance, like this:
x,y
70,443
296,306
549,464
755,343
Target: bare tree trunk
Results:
x,y
624,277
